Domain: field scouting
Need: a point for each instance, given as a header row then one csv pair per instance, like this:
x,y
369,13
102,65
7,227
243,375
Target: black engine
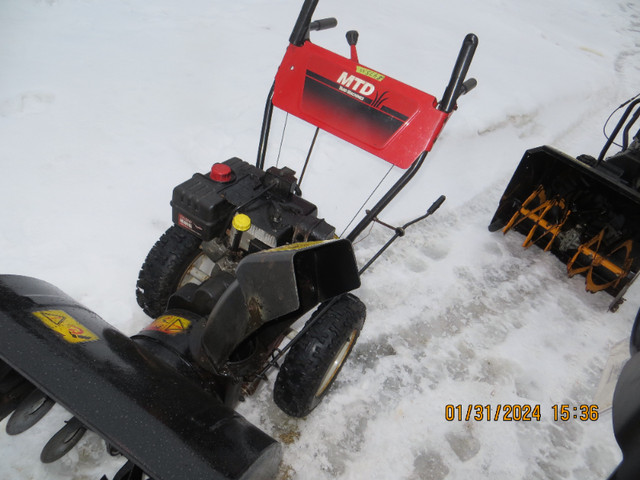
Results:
x,y
206,204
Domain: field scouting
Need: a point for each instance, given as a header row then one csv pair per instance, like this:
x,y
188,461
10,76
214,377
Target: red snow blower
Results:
x,y
245,258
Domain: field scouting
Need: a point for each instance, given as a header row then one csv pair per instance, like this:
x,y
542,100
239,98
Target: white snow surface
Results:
x,y
106,106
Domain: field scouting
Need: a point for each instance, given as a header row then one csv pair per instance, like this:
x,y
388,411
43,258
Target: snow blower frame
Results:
x,y
247,257
586,211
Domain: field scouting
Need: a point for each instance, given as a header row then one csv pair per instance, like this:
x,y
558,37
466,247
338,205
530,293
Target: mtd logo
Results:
x,y
346,80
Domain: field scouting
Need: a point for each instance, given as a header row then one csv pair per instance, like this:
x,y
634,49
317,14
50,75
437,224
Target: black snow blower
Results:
x,y
245,258
584,210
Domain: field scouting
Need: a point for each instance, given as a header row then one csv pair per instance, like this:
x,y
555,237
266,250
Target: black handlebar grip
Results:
x,y
301,28
453,90
468,85
323,24
436,205
352,37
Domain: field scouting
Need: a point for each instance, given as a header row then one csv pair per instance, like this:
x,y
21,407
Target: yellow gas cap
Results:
x,y
241,222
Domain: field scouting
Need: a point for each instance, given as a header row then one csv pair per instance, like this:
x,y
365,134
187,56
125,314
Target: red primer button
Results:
x,y
220,172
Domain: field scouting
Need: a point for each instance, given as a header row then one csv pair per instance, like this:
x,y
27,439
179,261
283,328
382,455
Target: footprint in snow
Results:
x,y
26,103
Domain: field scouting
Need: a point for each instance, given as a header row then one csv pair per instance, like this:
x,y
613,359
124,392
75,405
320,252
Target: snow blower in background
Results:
x,y
584,210
247,257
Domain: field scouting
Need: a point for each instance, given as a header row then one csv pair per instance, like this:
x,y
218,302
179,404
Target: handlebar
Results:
x,y
323,24
457,85
301,28
303,25
623,119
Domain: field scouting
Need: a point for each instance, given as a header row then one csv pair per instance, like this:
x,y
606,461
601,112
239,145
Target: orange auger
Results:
x,y
560,203
542,217
588,256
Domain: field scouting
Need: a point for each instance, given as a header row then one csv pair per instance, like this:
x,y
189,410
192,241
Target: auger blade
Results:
x,y
63,441
13,396
602,270
30,411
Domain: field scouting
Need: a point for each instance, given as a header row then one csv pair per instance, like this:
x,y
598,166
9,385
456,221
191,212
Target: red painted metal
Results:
x,y
373,111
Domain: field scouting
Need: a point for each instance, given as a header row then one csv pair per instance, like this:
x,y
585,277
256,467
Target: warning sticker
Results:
x,y
66,326
370,73
294,246
170,324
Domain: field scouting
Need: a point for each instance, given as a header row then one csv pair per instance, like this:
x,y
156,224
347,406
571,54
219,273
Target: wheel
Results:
x,y
175,260
313,363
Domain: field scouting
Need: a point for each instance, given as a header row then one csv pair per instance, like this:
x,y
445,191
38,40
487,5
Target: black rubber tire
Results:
x,y
301,383
164,267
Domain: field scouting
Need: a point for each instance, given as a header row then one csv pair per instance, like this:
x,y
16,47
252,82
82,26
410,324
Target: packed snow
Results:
x,y
106,106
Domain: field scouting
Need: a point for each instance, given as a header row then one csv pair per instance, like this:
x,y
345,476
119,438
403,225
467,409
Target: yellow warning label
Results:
x,y
68,327
295,246
170,324
370,73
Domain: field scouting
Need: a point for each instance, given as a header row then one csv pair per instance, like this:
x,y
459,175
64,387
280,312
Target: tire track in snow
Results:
x,y
626,63
496,307
457,315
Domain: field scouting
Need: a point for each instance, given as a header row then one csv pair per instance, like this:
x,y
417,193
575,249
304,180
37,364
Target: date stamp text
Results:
x,y
506,412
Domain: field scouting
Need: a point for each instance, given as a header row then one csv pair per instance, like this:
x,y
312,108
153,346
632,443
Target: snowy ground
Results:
x,y
105,106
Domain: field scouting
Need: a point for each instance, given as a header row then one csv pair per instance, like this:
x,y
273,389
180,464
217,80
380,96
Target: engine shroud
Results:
x,y
279,215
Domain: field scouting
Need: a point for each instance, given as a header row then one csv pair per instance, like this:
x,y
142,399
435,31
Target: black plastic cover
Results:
x,y
155,417
271,199
276,284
